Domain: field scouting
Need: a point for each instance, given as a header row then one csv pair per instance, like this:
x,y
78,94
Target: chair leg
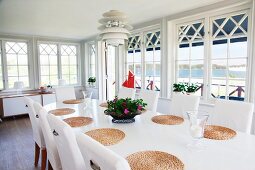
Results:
x,y
49,166
44,159
37,154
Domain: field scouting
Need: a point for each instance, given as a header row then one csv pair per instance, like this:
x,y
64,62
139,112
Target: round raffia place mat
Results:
x,y
167,119
106,136
78,121
72,101
62,111
104,105
218,132
154,160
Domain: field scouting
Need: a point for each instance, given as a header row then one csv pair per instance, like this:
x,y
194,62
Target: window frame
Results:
x,y
207,48
142,32
4,62
90,44
59,64
189,60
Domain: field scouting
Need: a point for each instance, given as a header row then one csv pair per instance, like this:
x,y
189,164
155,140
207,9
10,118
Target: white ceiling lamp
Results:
x,y
114,28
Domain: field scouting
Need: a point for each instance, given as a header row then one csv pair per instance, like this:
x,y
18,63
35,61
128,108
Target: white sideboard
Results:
x,y
15,105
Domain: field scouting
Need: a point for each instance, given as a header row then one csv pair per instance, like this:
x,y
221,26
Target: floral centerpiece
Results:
x,y
124,109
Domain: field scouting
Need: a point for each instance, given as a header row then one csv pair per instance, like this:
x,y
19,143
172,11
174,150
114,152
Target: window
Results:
x,y
224,40
190,54
134,60
152,60
143,59
48,64
229,55
92,60
69,63
16,55
58,61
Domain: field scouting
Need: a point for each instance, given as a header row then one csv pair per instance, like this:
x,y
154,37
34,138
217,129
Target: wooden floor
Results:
x,y
16,144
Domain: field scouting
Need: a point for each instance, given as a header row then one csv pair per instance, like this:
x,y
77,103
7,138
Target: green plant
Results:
x,y
191,88
92,79
122,108
179,87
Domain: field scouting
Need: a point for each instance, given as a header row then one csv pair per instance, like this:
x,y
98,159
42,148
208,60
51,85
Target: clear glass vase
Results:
x,y
197,120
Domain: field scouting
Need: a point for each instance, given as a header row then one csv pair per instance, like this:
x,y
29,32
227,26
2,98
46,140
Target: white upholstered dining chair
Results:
x,y
52,152
151,98
97,156
65,93
181,103
37,134
236,115
126,93
65,139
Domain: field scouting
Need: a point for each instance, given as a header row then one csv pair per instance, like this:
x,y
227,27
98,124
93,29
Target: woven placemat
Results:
x,y
167,119
104,105
62,111
72,101
218,132
78,121
106,136
154,160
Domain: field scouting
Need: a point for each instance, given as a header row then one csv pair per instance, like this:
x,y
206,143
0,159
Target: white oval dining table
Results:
x,y
234,154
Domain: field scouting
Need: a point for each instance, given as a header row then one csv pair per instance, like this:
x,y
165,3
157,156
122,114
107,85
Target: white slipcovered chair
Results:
x,y
236,115
52,152
97,156
151,98
65,93
37,134
181,103
126,92
69,152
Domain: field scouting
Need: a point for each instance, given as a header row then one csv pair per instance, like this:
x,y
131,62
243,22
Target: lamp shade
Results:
x,y
18,85
114,28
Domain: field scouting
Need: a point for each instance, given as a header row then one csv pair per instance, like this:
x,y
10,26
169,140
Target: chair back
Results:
x,y
64,93
52,152
97,156
181,103
151,98
236,115
126,93
69,152
34,119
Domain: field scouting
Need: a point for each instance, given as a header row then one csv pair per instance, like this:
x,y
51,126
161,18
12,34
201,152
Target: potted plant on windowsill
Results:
x,y
179,87
91,81
124,110
191,88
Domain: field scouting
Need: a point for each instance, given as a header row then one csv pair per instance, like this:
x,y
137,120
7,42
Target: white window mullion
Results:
x,y
59,62
207,59
143,64
5,74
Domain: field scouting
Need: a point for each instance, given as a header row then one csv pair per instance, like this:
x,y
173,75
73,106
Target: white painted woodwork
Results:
x,y
17,106
48,98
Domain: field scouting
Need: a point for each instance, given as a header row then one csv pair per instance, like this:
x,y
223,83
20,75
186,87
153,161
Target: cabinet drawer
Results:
x,y
17,106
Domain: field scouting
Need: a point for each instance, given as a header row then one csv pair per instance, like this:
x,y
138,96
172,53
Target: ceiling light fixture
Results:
x,y
114,28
